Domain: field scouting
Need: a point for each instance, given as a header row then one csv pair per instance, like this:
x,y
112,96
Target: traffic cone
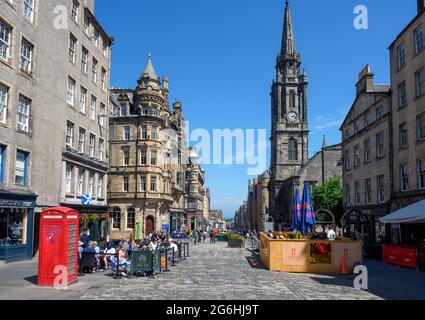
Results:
x,y
343,269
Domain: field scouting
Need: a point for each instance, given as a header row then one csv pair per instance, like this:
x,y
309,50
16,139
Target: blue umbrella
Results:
x,y
296,211
308,219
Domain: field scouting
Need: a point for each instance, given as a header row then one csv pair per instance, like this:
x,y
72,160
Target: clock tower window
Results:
x,y
292,150
292,98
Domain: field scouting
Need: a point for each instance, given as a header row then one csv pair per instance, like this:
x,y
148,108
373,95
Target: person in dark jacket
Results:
x,y
85,239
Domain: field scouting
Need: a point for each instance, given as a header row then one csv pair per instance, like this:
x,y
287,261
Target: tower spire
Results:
x,y
149,69
325,142
288,40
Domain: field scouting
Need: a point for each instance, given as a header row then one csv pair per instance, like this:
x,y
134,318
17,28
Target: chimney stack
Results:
x,y
421,6
366,82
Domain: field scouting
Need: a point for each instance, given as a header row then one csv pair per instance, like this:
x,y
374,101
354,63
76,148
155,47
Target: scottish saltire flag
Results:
x,y
296,211
86,199
308,219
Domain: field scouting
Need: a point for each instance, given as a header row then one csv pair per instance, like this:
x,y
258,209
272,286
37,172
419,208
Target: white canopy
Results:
x,y
413,214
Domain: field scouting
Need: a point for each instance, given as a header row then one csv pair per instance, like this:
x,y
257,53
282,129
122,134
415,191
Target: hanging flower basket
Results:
x,y
94,218
84,219
104,217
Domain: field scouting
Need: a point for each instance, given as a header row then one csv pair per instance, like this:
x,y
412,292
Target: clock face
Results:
x,y
292,117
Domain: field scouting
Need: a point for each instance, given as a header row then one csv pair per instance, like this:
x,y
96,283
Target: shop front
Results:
x,y
177,221
16,226
94,220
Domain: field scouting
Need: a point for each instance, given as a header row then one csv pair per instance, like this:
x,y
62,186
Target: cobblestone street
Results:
x,y
215,272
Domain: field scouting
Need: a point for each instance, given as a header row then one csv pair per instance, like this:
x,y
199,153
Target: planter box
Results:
x,y
221,239
236,244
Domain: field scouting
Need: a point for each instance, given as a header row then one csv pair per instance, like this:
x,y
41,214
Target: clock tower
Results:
x,y
289,138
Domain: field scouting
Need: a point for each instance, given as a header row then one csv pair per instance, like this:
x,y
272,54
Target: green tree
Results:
x,y
329,197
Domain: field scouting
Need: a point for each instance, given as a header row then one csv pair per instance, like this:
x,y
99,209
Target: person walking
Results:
x,y
195,236
253,240
212,240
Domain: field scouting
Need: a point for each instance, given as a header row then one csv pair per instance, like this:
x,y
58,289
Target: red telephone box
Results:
x,y
58,248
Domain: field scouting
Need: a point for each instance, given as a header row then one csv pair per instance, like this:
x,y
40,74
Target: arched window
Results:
x,y
131,218
293,150
116,218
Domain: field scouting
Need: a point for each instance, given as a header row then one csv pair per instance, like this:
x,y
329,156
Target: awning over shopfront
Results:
x,y
414,214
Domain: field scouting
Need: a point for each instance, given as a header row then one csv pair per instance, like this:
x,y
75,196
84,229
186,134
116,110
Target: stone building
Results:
x,y
290,163
254,213
407,62
240,217
366,149
53,120
197,205
147,164
207,206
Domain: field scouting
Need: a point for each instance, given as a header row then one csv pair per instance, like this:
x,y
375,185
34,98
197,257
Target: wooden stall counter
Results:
x,y
308,256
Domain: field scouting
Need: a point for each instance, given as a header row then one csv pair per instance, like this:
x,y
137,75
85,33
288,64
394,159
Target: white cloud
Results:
x,y
326,124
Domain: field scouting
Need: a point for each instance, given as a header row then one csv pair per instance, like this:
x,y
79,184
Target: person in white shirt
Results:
x,y
331,234
108,254
174,246
152,246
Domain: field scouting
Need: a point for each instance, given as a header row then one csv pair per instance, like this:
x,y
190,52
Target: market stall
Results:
x,y
408,248
284,252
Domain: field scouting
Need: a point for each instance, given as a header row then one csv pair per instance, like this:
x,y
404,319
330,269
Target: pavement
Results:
x,y
215,272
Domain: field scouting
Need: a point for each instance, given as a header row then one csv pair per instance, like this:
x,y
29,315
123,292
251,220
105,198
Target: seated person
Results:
x,y
315,236
92,251
174,246
108,254
122,260
152,245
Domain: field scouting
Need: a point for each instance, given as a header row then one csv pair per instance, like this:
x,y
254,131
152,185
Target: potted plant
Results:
x,y
222,237
235,240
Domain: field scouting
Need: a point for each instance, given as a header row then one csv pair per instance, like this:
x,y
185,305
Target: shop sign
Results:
x,y
16,204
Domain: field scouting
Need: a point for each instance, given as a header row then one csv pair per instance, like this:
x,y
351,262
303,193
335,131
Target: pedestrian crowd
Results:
x,y
199,236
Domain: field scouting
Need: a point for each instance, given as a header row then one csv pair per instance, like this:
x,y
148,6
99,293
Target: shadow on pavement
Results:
x,y
32,279
255,263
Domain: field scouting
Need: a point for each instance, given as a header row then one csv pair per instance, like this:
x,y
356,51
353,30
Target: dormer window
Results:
x,y
123,109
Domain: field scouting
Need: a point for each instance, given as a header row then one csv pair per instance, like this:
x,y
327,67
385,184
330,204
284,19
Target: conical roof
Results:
x,y
149,70
288,40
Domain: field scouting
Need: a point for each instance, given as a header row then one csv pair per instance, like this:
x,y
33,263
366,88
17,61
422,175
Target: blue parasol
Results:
x,y
296,211
308,219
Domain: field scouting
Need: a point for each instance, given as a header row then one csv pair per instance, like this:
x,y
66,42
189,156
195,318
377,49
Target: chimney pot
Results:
x,y
421,6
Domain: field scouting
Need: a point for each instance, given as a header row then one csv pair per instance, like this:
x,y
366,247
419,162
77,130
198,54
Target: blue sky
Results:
x,y
220,57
